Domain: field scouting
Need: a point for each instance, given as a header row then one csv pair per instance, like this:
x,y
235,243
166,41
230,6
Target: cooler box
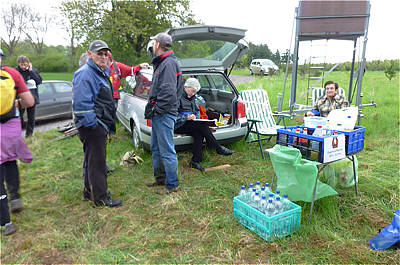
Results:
x,y
269,228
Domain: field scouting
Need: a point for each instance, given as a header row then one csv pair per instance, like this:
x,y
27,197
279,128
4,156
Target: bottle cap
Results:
x,y
264,197
262,188
254,189
258,182
271,195
285,196
251,185
278,198
270,201
266,184
278,191
243,187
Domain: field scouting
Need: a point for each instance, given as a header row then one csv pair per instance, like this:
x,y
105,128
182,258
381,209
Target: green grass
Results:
x,y
197,224
57,76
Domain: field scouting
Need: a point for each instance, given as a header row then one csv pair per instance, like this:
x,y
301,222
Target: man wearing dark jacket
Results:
x,y
162,108
95,118
32,80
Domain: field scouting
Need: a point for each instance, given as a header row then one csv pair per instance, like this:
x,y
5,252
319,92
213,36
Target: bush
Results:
x,y
55,63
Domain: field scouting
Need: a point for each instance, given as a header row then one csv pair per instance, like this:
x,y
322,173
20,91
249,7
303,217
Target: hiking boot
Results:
x,y
86,195
108,201
196,165
224,151
16,205
167,191
154,183
9,229
110,169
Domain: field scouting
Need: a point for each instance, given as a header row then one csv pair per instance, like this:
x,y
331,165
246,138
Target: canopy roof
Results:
x,y
324,19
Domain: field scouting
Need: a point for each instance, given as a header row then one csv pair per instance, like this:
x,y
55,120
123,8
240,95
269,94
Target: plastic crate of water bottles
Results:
x,y
269,218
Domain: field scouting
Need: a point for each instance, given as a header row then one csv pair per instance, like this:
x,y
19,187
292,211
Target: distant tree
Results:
x,y
14,20
260,51
36,29
390,69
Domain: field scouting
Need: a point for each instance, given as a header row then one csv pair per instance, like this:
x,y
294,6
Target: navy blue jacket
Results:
x,y
167,84
93,97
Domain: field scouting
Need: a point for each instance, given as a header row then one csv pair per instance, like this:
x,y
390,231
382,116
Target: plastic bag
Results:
x,y
296,176
340,173
389,236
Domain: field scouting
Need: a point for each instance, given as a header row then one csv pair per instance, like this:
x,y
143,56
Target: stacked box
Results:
x,y
354,139
269,228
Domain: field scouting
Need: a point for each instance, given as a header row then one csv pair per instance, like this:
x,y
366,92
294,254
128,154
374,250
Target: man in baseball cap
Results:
x,y
98,45
164,39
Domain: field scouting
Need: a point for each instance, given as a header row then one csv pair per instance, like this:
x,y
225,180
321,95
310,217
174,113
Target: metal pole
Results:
x,y
349,97
362,67
295,65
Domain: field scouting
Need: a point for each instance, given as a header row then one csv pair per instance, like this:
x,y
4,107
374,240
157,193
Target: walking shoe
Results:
x,y
154,183
110,170
86,195
108,201
196,165
16,205
224,151
9,229
167,191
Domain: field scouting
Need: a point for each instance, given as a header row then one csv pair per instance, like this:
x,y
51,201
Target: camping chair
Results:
x,y
259,115
318,92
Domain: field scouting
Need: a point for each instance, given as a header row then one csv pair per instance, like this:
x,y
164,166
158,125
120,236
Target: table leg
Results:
x,y
354,174
315,191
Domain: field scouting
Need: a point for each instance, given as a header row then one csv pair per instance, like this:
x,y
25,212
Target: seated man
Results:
x,y
329,102
187,112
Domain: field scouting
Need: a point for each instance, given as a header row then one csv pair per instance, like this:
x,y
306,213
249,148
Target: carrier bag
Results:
x,y
296,176
340,174
389,236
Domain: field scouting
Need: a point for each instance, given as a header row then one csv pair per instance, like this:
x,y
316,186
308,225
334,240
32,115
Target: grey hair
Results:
x,y
193,83
83,59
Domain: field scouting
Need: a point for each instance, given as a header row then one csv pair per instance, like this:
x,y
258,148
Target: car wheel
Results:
x,y
135,136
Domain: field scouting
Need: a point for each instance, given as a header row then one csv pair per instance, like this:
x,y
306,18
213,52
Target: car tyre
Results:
x,y
135,136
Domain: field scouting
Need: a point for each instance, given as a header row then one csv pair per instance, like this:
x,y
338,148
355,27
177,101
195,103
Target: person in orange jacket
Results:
x,y
119,70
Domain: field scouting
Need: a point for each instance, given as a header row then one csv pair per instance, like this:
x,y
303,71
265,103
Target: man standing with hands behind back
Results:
x,y
95,117
162,109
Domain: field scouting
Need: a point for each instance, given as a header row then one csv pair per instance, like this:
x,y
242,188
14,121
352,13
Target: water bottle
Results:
x,y
251,187
286,203
243,191
271,196
256,200
263,204
267,188
263,192
270,208
278,193
278,205
317,133
258,185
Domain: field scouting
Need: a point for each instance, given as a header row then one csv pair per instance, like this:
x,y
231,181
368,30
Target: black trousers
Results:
x,y
11,175
95,169
199,130
30,124
7,169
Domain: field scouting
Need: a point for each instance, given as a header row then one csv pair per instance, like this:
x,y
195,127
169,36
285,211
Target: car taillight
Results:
x,y
241,110
148,122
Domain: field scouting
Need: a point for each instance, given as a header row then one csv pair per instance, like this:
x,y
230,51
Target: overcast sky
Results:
x,y
271,22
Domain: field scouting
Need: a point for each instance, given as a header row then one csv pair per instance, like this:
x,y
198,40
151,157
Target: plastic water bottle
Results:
x,y
258,185
278,205
286,203
317,133
270,209
251,187
267,188
263,192
256,200
278,193
263,204
243,191
271,196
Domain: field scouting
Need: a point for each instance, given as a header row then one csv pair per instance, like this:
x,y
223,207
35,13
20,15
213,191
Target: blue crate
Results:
x,y
269,228
354,139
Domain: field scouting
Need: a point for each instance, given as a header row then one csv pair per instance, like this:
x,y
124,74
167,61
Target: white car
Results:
x,y
262,66
203,52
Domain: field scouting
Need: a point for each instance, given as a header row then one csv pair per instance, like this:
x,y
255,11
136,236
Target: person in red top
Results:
x,y
13,147
119,70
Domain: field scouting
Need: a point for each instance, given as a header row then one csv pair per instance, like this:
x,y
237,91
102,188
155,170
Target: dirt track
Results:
x,y
43,126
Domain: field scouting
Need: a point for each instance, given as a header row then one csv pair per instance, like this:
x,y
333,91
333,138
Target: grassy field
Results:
x,y
197,225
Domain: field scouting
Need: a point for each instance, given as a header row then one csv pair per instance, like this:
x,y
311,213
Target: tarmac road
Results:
x,y
43,126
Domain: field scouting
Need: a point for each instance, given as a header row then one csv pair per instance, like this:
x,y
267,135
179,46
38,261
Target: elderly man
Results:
x,y
188,112
162,109
95,118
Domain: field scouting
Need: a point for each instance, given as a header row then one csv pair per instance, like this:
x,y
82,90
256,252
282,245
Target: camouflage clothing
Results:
x,y
325,105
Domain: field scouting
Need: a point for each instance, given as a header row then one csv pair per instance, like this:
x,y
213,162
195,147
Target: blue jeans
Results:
x,y
163,149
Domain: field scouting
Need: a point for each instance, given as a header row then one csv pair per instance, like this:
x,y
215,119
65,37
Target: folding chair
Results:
x,y
318,92
259,115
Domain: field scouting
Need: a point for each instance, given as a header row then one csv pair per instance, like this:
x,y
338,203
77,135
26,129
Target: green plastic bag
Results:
x,y
296,176
340,174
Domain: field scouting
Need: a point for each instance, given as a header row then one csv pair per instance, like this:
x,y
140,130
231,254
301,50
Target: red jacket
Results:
x,y
118,71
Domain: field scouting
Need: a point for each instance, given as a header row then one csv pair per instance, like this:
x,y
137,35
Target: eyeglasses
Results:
x,y
102,54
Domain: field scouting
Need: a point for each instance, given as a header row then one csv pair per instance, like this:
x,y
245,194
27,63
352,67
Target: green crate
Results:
x,y
269,228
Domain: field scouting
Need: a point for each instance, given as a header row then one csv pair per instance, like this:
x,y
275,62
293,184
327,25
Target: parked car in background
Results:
x,y
203,52
55,100
262,66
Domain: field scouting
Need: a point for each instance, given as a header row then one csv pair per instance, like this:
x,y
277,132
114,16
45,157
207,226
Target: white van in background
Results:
x,y
262,66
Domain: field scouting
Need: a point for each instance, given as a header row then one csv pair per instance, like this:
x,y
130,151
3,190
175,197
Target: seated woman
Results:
x,y
188,111
329,102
